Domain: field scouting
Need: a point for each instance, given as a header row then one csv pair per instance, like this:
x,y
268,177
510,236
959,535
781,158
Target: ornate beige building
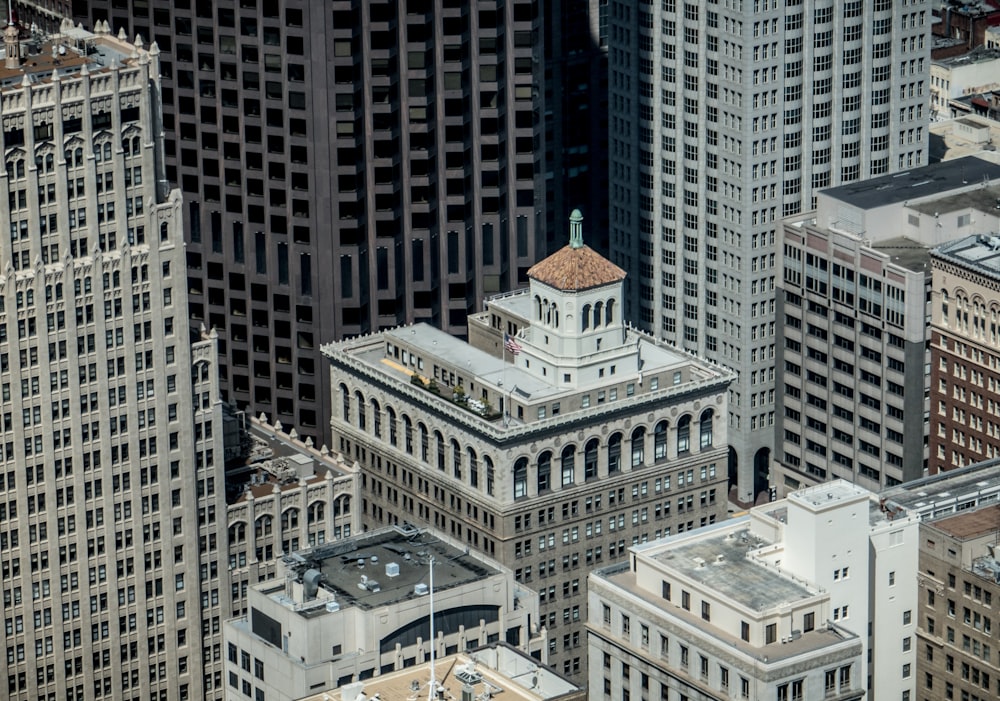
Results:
x,y
111,481
556,438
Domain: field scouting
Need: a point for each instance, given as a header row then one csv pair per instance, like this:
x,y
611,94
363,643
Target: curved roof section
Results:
x,y
574,269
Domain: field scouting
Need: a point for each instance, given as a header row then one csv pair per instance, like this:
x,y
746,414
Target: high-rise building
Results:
x,y
574,40
112,484
965,349
726,117
553,440
852,313
809,597
346,166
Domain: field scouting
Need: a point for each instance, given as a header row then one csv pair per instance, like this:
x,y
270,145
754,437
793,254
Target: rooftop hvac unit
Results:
x,y
420,589
392,569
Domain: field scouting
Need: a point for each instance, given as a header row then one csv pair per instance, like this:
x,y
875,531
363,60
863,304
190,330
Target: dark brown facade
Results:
x,y
965,355
346,166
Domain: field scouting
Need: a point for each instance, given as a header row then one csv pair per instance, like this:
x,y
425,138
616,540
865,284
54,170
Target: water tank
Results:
x,y
310,583
392,569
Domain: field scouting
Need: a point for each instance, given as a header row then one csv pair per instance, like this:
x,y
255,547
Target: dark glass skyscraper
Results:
x,y
346,166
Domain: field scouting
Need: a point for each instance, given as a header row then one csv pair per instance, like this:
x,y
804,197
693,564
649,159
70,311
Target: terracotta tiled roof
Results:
x,y
576,269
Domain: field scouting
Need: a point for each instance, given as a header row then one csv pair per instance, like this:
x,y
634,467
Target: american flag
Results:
x,y
512,346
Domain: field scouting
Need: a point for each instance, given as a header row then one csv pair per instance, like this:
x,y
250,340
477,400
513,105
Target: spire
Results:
x,y
11,39
576,229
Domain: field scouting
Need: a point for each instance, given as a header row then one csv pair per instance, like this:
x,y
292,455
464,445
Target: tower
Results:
x,y
725,118
346,167
111,462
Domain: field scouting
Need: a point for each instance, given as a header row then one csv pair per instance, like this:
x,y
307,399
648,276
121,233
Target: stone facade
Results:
x,y
546,443
114,565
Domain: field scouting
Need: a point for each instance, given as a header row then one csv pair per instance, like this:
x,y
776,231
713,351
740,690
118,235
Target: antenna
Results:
x,y
430,566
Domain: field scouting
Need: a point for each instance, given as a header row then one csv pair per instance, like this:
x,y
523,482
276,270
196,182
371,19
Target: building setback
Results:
x,y
809,597
283,495
557,437
347,166
725,118
112,495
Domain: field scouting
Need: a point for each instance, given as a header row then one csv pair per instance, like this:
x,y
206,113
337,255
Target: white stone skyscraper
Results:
x,y
111,488
726,116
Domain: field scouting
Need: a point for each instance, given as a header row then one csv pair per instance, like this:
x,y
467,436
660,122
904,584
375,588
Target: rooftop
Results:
x,y
934,179
67,52
621,575
971,524
379,568
979,54
979,253
719,563
497,670
950,492
576,269
906,253
982,199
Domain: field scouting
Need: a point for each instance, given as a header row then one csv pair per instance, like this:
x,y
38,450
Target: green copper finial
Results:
x,y
576,229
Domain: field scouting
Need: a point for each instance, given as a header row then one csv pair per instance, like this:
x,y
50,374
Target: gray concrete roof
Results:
x,y
906,253
719,564
917,183
339,564
980,253
983,199
949,492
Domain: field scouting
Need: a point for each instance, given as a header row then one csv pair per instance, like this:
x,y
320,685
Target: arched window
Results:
x,y
598,313
705,428
345,396
78,156
555,315
377,418
590,459
425,443
548,311
407,434
615,453
263,526
544,472
585,318
660,441
164,232
473,469
456,459
490,474
684,434
538,308
237,533
609,312
290,519
107,151
638,445
568,465
521,478
391,416
362,417
439,443
317,512
342,506
50,162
